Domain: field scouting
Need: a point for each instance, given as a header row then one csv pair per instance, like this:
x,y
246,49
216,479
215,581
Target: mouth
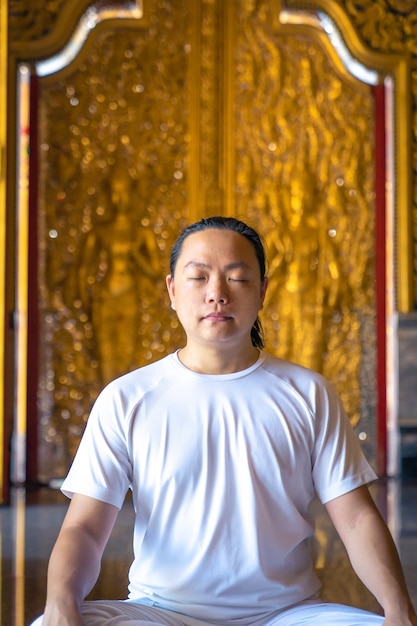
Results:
x,y
217,317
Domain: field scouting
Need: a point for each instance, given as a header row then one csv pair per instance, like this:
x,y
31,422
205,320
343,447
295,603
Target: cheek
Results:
x,y
182,300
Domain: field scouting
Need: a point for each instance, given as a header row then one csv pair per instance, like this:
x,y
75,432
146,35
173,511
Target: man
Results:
x,y
224,448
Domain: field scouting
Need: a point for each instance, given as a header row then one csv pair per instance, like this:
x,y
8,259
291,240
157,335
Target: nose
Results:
x,y
217,291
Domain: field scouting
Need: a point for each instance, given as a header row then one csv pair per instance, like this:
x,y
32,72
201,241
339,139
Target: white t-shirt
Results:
x,y
222,470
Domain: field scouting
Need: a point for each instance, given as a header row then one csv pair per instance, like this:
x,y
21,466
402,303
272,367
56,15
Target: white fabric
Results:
x,y
129,613
222,469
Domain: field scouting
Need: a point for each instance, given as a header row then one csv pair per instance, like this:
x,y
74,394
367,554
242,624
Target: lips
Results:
x,y
217,317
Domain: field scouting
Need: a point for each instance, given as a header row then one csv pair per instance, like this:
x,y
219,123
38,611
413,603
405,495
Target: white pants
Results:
x,y
130,613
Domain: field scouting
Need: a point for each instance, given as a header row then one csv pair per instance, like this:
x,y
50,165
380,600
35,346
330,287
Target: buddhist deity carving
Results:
x,y
304,172
118,273
112,197
390,26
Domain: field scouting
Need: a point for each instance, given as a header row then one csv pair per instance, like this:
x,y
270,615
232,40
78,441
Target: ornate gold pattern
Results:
x,y
395,70
119,140
33,20
113,191
391,26
304,172
209,107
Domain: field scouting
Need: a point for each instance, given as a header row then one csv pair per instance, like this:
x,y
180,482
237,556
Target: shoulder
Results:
x,y
291,372
125,392
313,388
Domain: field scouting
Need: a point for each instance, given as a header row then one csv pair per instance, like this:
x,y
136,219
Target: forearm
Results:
x,y
375,559
373,554
73,570
75,560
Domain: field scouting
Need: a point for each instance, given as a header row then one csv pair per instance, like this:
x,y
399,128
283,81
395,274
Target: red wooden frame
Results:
x,y
380,276
33,308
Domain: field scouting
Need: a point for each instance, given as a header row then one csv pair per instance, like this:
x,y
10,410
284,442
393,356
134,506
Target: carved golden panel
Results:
x,y
209,108
30,20
304,175
389,28
114,159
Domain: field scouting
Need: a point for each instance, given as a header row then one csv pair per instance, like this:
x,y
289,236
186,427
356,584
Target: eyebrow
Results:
x,y
230,266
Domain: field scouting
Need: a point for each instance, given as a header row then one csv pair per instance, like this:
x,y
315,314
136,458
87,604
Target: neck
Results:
x,y
214,361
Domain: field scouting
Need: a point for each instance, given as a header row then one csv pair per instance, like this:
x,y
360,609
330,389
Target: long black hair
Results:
x,y
227,223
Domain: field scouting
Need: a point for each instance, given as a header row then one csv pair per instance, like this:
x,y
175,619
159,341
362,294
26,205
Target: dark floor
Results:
x,y
29,526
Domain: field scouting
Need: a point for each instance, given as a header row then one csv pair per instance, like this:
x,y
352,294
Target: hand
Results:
x,y
56,616
399,620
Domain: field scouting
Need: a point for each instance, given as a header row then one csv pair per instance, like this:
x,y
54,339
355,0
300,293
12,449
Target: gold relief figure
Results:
x,y
305,276
320,264
129,84
117,275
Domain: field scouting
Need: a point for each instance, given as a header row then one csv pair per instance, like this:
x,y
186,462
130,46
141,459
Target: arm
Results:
x,y
373,554
75,559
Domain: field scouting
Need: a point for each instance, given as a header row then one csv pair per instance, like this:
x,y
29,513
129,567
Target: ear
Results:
x,y
264,287
171,290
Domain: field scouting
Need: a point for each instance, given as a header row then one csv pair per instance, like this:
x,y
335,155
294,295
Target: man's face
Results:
x,y
217,291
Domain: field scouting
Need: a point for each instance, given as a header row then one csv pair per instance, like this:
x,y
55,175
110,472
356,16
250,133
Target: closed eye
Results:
x,y
238,280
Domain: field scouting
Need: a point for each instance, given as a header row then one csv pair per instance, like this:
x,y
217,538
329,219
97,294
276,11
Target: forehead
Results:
x,y
226,245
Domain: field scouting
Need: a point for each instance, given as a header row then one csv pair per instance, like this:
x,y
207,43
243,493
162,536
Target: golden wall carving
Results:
x,y
207,107
210,140
33,20
114,157
388,26
391,26
304,154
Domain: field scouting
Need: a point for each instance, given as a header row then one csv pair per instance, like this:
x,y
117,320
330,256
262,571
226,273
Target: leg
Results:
x,y
326,614
129,613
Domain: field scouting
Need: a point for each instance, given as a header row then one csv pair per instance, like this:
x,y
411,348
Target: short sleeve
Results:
x,y
338,462
101,468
